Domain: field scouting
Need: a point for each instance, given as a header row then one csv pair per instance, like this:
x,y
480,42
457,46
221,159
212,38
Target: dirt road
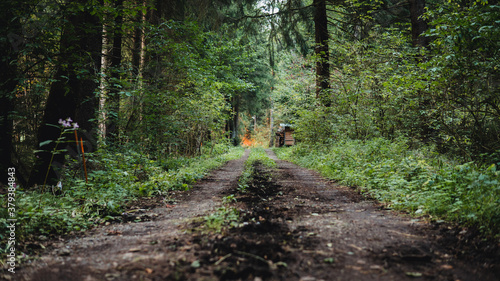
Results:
x,y
294,225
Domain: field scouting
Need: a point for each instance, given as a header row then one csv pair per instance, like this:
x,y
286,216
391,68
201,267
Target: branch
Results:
x,y
271,15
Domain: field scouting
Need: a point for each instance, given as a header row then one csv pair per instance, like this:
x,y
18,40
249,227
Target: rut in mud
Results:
x,y
293,225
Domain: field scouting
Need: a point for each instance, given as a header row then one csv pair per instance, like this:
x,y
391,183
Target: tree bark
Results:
x,y
321,51
103,87
10,29
116,60
233,125
418,25
73,93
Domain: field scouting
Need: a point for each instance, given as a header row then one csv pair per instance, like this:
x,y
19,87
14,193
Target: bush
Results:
x,y
114,180
420,181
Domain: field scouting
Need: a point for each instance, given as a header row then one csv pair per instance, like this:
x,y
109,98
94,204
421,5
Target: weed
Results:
x,y
225,216
256,155
115,179
420,181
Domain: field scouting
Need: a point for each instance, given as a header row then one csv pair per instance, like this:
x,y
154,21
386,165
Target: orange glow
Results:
x,y
247,141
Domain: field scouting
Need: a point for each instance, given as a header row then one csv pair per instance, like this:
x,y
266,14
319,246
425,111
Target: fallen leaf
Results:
x,y
376,267
446,266
329,260
149,270
114,232
195,264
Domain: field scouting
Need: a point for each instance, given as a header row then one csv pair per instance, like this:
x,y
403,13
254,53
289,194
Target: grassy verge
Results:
x,y
115,180
256,155
419,181
228,216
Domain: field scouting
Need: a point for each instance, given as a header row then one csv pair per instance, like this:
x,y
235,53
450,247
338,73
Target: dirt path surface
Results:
x,y
294,225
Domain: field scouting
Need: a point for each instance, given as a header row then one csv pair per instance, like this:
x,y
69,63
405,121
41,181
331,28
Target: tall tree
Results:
x,y
73,92
10,41
115,65
321,49
418,24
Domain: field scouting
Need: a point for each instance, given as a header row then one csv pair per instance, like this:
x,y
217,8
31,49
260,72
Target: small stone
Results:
x,y
64,252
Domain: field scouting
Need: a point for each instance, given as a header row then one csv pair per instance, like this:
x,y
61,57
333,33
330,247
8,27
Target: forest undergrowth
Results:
x,y
420,181
115,180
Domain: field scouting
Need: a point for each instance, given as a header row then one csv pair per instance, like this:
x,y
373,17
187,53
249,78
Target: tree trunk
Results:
x,y
103,87
10,29
116,60
321,51
73,92
418,25
235,119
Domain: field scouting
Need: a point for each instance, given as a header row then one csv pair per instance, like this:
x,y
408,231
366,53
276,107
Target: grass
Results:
x,y
257,154
419,181
115,180
228,216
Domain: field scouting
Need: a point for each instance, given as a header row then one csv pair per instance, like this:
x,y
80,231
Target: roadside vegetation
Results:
x,y
228,215
410,116
116,179
399,98
257,156
420,181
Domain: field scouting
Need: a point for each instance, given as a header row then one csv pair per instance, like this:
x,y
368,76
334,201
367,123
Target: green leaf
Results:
x,y
55,126
45,142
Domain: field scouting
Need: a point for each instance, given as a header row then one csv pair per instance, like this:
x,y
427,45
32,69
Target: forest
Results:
x,y
107,102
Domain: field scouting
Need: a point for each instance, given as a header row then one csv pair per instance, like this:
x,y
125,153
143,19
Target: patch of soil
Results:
x,y
294,225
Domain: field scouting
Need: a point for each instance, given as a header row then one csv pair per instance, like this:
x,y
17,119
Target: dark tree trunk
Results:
x,y
116,60
235,119
321,51
136,52
168,10
73,93
10,29
418,25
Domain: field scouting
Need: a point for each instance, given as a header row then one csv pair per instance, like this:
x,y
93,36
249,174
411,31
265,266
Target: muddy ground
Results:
x,y
294,225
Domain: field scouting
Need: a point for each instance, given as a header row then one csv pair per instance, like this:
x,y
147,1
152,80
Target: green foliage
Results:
x,y
461,74
419,180
382,86
260,155
294,89
181,97
223,217
115,179
257,155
